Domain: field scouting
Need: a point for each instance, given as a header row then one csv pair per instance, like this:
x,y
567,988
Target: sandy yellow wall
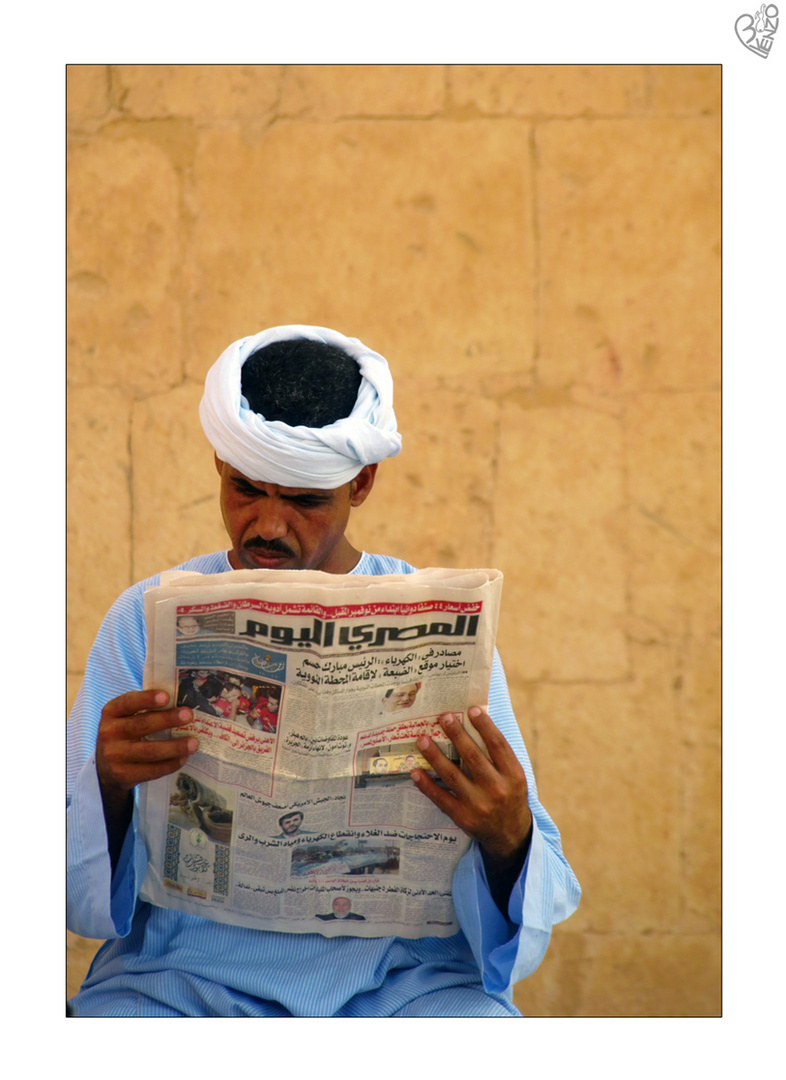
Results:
x,y
536,251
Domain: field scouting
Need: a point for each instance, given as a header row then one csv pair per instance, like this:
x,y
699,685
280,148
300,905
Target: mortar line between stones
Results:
x,y
626,512
536,267
130,474
682,872
494,482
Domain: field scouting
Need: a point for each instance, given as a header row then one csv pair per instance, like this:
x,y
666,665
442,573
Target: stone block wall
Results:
x,y
536,252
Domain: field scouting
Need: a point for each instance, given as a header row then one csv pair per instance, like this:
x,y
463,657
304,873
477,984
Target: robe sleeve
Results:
x,y
546,892
99,905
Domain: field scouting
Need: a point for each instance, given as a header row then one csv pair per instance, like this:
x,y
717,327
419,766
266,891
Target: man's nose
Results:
x,y
271,524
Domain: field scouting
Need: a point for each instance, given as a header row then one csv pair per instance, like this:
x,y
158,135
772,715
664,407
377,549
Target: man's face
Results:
x,y
341,906
187,625
283,528
380,765
403,697
291,824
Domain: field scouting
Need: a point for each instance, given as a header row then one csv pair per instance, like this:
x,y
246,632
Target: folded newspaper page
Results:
x,y
309,692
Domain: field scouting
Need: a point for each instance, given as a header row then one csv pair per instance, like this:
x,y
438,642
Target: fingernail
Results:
x,y
184,714
193,745
475,712
447,720
161,698
416,775
423,743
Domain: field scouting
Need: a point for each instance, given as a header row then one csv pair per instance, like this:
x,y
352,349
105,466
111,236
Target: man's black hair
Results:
x,y
301,382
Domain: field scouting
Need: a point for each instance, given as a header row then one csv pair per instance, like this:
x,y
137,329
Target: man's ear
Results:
x,y
219,463
360,487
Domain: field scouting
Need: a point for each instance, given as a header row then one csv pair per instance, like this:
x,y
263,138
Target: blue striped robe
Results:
x,y
158,962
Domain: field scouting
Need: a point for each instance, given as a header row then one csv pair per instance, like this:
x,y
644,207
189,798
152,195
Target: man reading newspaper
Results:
x,y
299,418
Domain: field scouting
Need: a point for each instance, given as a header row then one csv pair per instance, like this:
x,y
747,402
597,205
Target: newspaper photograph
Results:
x,y
309,693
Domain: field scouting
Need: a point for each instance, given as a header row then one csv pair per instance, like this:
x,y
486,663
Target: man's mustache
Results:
x,y
272,547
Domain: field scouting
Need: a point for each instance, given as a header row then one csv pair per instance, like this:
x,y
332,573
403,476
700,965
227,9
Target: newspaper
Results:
x,y
309,692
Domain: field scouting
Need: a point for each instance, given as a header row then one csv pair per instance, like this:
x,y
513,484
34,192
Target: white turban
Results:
x,y
273,452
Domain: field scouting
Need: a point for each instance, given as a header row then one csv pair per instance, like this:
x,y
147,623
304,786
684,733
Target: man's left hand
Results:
x,y
487,799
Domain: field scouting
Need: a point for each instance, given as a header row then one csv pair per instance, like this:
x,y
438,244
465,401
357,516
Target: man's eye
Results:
x,y
307,501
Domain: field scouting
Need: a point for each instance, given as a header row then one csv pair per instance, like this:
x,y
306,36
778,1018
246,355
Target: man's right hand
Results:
x,y
125,758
